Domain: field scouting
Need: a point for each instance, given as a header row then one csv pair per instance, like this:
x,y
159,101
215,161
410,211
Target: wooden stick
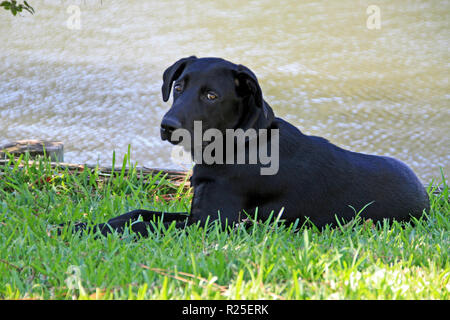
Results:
x,y
52,149
106,171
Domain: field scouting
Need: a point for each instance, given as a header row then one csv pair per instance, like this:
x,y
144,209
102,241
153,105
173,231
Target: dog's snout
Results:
x,y
168,126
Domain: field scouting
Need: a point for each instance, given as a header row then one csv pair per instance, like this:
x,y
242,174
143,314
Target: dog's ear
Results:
x,y
172,73
247,86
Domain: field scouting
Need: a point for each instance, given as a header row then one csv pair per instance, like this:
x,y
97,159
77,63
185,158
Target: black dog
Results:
x,y
316,180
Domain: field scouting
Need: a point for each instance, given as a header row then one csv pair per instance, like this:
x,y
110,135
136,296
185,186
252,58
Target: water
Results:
x,y
97,89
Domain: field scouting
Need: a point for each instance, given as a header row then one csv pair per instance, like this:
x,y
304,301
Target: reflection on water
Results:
x,y
97,89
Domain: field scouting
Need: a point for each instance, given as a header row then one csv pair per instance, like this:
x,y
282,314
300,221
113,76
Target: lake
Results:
x,y
370,76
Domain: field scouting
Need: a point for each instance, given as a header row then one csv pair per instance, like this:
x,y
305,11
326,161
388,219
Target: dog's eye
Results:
x,y
178,88
211,96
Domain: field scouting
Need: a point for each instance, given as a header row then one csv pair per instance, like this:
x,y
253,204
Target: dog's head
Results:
x,y
220,94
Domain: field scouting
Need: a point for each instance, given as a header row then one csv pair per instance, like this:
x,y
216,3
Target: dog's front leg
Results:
x,y
210,203
131,218
148,216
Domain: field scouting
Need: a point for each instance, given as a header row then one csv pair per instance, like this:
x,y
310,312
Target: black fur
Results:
x,y
316,179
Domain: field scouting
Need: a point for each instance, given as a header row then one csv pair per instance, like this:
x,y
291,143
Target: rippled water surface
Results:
x,y
97,89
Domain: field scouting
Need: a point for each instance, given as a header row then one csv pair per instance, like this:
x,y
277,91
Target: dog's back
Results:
x,y
327,180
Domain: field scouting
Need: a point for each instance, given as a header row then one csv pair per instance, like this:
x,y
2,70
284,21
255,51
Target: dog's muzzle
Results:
x,y
168,126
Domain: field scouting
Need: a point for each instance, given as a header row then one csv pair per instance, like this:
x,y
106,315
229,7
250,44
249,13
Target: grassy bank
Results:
x,y
270,261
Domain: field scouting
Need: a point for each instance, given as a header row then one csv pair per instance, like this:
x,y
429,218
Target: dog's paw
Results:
x,y
75,228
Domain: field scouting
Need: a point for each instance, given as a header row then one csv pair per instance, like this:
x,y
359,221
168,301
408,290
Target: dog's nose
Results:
x,y
168,126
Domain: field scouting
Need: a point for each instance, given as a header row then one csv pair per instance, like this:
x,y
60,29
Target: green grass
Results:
x,y
357,260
